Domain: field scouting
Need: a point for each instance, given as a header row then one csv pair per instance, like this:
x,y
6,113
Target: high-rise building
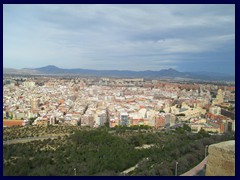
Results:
x,y
34,103
124,119
233,125
219,96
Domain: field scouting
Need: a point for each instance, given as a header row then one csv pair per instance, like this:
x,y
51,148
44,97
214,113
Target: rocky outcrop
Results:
x,y
221,159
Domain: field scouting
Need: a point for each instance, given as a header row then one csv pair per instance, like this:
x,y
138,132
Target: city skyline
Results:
x,y
121,37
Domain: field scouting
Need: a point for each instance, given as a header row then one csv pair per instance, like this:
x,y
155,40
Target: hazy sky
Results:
x,y
124,37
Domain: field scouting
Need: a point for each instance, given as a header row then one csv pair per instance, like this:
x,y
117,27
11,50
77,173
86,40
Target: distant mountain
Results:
x,y
170,73
164,73
210,73
48,68
20,71
212,76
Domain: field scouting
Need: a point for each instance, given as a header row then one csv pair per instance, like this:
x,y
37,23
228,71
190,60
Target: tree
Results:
x,y
32,119
11,116
180,130
186,127
106,124
203,133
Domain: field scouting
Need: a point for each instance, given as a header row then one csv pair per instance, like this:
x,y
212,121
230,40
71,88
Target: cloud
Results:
x,y
132,37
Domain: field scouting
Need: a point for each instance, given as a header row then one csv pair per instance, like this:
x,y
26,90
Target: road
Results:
x,y
129,169
24,140
201,172
197,170
132,168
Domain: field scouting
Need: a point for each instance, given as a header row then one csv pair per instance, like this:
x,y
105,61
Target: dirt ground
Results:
x,y
12,122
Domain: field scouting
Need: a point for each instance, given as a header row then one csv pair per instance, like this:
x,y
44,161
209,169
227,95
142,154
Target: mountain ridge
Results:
x,y
163,73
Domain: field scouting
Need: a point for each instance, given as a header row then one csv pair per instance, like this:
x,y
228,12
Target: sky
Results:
x,y
188,38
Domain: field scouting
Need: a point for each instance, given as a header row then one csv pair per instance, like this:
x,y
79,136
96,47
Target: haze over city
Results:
x,y
120,37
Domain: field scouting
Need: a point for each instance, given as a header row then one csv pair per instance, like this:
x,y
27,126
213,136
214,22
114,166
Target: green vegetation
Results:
x,y
186,127
16,132
105,151
230,108
32,120
135,127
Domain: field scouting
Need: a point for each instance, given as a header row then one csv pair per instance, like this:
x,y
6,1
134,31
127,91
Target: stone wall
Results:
x,y
221,159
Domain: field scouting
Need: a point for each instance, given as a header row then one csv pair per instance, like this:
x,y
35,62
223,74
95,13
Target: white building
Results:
x,y
215,110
